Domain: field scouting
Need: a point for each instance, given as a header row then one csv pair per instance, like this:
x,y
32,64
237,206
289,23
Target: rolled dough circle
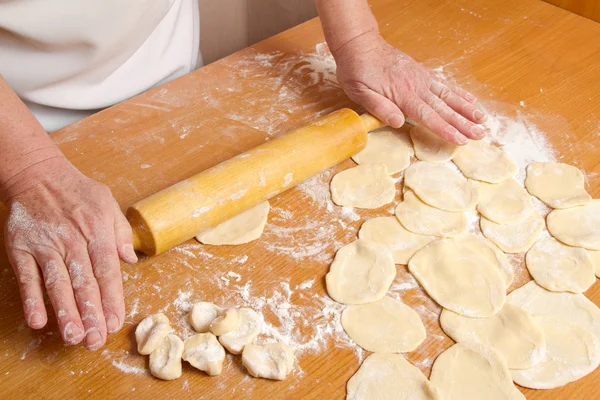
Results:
x,y
556,184
482,161
577,226
364,186
595,256
513,238
242,228
430,147
505,202
389,147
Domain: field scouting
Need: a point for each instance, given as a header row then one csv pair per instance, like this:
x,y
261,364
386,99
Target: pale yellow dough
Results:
x,y
271,361
505,202
203,351
225,323
202,315
364,186
595,255
165,360
482,161
249,326
242,228
556,184
577,226
389,147
151,332
430,147
513,238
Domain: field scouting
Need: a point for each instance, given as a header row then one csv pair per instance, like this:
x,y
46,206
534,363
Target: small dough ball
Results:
x,y
389,147
388,232
165,361
512,333
513,238
243,228
560,268
430,147
483,161
364,186
578,226
271,361
361,272
389,377
202,315
203,351
473,372
556,184
505,202
595,256
151,332
225,323
441,187
250,325
384,326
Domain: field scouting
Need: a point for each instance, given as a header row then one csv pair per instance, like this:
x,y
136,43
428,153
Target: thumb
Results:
x,y
123,237
379,106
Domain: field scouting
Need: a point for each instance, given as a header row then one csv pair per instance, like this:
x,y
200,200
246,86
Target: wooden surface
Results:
x,y
520,57
586,8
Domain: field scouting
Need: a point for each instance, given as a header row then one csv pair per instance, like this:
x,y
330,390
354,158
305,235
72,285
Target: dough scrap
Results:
x,y
384,326
165,361
225,323
151,332
243,228
388,232
389,377
473,372
595,256
560,268
430,147
271,361
202,315
203,351
250,325
441,187
577,226
482,161
512,333
421,218
364,186
361,272
389,147
513,238
556,184
505,202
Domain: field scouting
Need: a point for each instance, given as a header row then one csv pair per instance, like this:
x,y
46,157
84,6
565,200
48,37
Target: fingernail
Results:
x,y
93,339
36,320
470,97
477,131
73,334
129,253
112,323
396,121
461,139
479,116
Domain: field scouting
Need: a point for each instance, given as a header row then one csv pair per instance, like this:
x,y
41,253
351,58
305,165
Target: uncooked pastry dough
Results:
x,y
556,184
441,187
389,147
389,377
512,333
388,232
225,323
242,228
165,361
151,332
560,268
430,147
473,372
423,219
364,186
361,272
482,161
505,202
271,361
384,326
577,226
202,315
204,352
250,325
513,238
571,353
595,256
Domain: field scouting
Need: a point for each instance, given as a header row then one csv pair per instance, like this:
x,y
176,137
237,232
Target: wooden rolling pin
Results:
x,y
178,213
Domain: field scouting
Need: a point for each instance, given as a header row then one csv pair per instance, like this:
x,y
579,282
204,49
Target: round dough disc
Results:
x,y
361,272
595,256
556,184
430,147
242,228
441,187
560,268
512,333
578,226
364,186
482,161
513,238
389,147
505,202
388,232
384,326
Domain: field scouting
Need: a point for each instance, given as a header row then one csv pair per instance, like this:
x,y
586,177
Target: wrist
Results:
x,y
364,42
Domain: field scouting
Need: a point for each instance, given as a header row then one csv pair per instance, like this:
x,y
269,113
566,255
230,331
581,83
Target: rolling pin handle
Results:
x,y
370,122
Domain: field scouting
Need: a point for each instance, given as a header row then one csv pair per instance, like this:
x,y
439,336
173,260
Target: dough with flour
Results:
x,y
271,361
430,147
505,202
595,256
249,327
577,226
202,315
203,351
384,326
225,323
389,147
485,162
242,228
165,361
513,238
364,186
151,332
556,184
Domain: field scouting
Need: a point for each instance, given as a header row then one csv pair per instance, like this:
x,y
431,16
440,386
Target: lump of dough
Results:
x,y
151,332
250,325
441,187
577,226
560,268
202,315
556,184
203,351
242,228
513,238
482,161
430,147
165,361
505,202
389,147
460,275
271,361
384,326
364,186
361,272
225,323
571,353
512,333
473,372
595,256
388,232
384,376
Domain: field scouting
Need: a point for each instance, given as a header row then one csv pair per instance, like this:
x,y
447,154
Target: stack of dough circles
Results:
x,y
389,147
577,226
556,184
364,186
243,228
516,237
482,161
505,202
430,147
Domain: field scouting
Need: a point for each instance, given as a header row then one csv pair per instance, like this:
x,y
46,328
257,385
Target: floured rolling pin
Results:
x,y
178,213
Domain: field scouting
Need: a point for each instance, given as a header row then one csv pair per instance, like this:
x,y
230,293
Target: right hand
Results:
x,y
66,232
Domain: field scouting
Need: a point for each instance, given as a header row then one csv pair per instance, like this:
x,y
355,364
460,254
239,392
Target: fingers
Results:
x,y
457,103
458,90
379,106
31,288
464,126
123,237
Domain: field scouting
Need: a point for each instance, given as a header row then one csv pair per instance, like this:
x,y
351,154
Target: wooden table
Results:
x,y
506,52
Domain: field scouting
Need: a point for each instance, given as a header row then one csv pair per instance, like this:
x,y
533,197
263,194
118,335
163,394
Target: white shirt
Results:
x,y
69,58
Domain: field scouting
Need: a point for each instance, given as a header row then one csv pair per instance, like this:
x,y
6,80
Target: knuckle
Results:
x,y
444,93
